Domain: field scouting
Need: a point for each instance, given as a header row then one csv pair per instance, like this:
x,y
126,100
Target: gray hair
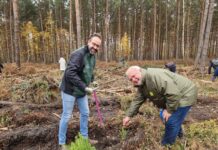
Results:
x,y
133,68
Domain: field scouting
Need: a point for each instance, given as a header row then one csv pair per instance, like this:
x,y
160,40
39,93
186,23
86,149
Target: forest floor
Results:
x,y
30,109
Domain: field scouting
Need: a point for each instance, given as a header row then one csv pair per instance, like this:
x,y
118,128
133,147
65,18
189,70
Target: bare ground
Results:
x,y
38,128
32,126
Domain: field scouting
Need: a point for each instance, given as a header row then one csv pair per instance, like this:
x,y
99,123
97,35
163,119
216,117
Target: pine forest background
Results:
x,y
45,30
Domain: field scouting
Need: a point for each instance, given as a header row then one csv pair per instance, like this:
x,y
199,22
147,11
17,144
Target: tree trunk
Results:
x,y
93,16
154,32
118,29
159,36
178,29
187,48
106,29
70,25
134,52
201,34
78,23
42,30
16,32
140,54
166,50
62,39
7,39
183,29
12,53
207,35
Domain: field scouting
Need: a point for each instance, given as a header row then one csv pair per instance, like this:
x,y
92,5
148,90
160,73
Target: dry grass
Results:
x,y
31,83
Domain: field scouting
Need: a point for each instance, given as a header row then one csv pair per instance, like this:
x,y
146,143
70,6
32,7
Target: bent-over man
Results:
x,y
169,91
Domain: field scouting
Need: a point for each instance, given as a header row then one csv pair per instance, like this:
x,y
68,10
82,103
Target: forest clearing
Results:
x,y
31,108
142,74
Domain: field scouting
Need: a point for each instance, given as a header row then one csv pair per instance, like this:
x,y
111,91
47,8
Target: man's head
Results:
x,y
134,75
94,43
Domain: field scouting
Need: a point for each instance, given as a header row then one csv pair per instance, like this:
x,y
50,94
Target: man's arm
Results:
x,y
134,107
72,71
135,104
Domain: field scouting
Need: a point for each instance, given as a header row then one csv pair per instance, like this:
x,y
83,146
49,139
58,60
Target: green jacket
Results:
x,y
165,89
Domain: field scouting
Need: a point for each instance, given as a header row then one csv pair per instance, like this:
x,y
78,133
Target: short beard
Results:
x,y
93,51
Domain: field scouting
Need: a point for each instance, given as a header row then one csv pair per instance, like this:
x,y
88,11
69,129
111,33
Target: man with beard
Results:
x,y
171,92
74,86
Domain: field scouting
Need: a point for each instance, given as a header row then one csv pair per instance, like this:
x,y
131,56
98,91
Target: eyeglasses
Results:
x,y
96,45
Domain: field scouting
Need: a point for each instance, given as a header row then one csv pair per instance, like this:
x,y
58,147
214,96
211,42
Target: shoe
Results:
x,y
93,142
180,135
63,147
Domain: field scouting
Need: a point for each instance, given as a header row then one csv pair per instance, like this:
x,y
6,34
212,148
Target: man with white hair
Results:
x,y
171,92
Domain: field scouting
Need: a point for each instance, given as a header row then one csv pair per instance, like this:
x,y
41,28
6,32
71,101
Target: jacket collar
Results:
x,y
86,48
147,80
144,75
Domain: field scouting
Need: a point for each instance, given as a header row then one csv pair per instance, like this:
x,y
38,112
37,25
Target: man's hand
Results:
x,y
166,115
89,90
126,121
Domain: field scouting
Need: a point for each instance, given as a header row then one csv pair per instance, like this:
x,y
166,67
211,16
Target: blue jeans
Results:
x,y
174,124
216,72
68,104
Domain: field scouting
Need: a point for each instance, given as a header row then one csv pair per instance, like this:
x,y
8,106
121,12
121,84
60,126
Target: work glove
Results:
x,y
89,90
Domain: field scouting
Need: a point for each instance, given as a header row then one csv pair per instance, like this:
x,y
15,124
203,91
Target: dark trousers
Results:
x,y
216,72
174,124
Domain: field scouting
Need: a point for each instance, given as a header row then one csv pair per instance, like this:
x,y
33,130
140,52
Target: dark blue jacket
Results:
x,y
79,72
213,64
